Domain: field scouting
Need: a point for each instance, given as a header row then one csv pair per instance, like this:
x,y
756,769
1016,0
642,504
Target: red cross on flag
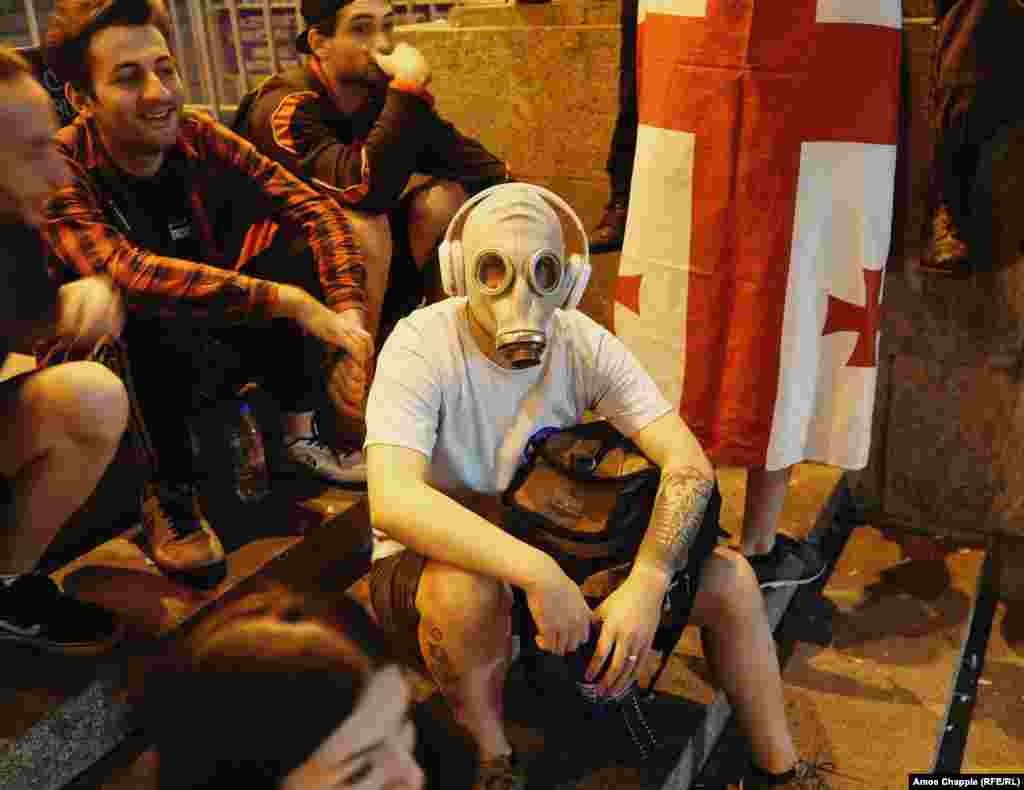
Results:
x,y
760,220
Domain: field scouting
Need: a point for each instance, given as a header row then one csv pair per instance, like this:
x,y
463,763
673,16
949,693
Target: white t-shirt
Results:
x,y
434,391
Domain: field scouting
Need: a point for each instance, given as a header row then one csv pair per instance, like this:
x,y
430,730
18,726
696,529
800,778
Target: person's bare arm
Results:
x,y
630,615
687,482
405,506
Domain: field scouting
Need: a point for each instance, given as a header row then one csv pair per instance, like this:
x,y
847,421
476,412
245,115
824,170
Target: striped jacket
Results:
x,y
364,159
231,187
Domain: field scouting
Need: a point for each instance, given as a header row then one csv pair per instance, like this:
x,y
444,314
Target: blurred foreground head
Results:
x,y
281,693
31,169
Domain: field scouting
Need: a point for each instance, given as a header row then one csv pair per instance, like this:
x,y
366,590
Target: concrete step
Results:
x,y
874,701
61,715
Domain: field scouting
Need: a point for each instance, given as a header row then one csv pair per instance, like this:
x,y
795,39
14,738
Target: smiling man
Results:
x,y
160,198
357,118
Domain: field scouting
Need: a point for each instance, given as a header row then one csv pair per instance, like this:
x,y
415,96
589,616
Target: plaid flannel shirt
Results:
x,y
82,230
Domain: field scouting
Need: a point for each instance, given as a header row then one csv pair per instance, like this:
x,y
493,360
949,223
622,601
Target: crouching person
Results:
x,y
357,117
155,190
460,388
60,427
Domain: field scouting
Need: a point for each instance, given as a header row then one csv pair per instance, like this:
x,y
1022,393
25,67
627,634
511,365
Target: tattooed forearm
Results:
x,y
683,497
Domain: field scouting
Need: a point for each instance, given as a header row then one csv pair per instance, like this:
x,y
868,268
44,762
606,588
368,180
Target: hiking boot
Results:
x,y
35,611
805,775
180,540
790,562
946,252
502,773
611,230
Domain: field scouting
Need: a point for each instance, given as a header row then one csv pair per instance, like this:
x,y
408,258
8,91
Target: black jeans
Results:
x,y
991,176
179,365
623,147
969,173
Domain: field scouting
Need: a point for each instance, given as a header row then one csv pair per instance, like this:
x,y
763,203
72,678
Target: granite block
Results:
x,y
943,472
560,13
69,739
544,98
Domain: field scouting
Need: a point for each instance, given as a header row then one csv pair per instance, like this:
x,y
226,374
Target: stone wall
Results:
x,y
538,85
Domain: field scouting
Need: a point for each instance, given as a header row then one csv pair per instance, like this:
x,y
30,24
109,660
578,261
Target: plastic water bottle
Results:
x,y
250,458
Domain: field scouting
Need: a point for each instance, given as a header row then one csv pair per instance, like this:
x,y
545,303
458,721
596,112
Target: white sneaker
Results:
x,y
320,459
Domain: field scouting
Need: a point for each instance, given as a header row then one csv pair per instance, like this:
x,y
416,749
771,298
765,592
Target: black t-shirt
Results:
x,y
27,295
155,213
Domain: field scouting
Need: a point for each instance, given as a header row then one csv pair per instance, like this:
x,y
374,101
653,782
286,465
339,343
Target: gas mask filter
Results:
x,y
504,251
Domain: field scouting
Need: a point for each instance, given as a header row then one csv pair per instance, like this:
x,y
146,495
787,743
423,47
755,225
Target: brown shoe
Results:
x,y
946,253
611,230
180,540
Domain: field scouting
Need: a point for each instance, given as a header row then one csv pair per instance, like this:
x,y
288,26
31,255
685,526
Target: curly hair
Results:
x,y
328,27
73,23
12,65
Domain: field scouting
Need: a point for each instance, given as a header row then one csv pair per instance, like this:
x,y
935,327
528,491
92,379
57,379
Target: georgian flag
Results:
x,y
760,219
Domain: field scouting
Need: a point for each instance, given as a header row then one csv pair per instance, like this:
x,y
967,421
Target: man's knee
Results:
x,y
728,589
83,400
433,207
451,594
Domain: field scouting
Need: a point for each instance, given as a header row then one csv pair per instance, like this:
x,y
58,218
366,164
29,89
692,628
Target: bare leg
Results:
x,y
465,636
766,495
63,426
431,211
740,649
373,236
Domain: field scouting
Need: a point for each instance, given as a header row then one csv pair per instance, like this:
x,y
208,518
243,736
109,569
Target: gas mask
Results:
x,y
504,251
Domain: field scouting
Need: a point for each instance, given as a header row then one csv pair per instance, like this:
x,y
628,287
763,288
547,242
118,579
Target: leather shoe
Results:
x,y
179,538
611,230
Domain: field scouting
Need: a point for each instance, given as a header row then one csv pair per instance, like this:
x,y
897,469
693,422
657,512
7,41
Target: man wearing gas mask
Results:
x,y
460,388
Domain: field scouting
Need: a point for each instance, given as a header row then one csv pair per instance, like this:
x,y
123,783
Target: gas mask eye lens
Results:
x,y
492,272
547,272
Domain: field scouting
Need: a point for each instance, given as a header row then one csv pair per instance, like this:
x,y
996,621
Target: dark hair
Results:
x,y
73,23
12,65
251,697
329,26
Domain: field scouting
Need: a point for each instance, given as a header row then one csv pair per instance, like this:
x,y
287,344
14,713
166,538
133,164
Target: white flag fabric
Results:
x,y
760,218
